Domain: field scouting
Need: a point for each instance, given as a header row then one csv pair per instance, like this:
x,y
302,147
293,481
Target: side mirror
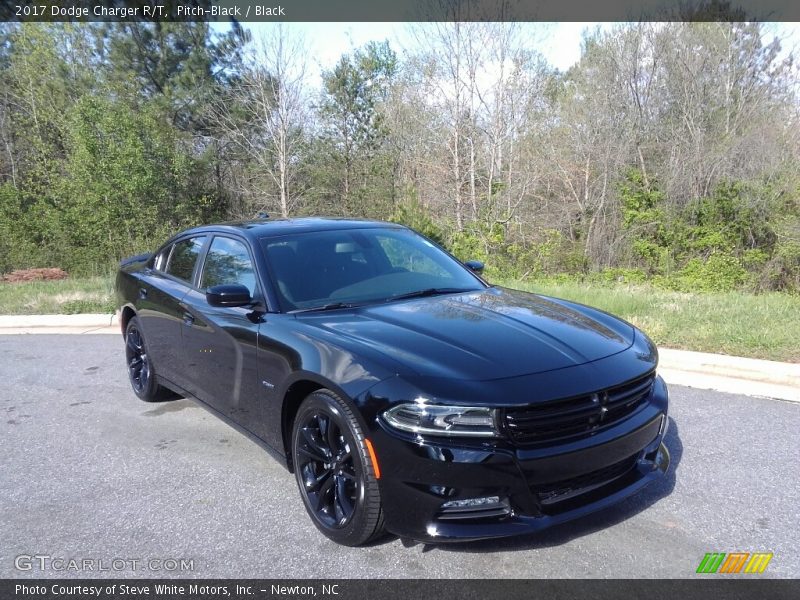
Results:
x,y
228,295
475,266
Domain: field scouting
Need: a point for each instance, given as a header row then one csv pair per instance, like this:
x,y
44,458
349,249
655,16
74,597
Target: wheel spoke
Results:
x,y
311,453
338,513
313,483
314,445
134,342
342,500
323,425
323,493
332,436
136,377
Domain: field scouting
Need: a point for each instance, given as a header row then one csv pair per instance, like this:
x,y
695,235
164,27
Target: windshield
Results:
x,y
333,269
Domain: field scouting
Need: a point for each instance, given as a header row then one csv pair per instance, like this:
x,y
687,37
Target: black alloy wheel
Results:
x,y
334,471
140,366
327,469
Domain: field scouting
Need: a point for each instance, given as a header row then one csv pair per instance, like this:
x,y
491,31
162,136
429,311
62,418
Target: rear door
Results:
x,y
159,311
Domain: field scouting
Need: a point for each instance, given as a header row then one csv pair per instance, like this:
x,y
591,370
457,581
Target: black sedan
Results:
x,y
406,393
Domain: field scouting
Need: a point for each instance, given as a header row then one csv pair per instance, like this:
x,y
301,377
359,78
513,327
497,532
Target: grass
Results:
x,y
735,323
64,296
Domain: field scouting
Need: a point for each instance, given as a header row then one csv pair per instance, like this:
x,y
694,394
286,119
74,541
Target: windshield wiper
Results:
x,y
324,307
428,292
417,294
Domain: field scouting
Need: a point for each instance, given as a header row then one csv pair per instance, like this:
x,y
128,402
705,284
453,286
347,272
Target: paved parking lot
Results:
x,y
90,472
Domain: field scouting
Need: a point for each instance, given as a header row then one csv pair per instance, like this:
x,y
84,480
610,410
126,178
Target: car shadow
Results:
x,y
565,532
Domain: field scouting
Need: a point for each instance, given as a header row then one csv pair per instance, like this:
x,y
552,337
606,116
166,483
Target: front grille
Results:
x,y
579,416
559,491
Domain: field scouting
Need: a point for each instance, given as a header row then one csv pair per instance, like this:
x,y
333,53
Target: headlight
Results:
x,y
443,420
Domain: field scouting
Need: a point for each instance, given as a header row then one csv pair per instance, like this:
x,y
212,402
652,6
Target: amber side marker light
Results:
x,y
373,458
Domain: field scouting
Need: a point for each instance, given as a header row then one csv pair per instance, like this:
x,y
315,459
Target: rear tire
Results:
x,y
334,472
140,367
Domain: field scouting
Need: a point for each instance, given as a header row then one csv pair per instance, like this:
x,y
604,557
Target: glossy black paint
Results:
x,y
475,265
231,295
253,365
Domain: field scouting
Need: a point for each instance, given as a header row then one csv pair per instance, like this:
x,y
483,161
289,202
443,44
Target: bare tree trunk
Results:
x,y
284,180
472,194
643,168
272,96
457,180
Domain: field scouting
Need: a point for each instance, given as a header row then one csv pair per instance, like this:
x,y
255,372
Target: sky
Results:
x,y
559,43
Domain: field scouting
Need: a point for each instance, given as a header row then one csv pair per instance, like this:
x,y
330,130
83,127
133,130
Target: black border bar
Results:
x,y
699,588
398,10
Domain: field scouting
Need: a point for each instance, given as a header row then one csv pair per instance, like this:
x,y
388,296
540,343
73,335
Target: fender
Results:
x,y
292,392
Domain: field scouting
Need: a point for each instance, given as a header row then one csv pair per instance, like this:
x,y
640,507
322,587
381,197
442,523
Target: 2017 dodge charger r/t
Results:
x,y
406,393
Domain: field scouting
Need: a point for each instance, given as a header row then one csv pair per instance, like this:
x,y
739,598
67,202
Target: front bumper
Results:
x,y
537,487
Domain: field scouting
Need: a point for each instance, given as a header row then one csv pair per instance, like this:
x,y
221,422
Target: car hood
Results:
x,y
486,334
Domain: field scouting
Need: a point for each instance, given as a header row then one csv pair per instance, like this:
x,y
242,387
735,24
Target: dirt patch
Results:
x,y
47,274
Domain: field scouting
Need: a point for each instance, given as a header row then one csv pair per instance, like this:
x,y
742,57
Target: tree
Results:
x,y
265,112
128,184
8,159
353,131
178,66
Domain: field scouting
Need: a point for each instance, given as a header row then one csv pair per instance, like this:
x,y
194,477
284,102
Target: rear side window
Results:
x,y
227,262
184,257
160,261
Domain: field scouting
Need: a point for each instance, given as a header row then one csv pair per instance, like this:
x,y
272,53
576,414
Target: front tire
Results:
x,y
334,472
140,366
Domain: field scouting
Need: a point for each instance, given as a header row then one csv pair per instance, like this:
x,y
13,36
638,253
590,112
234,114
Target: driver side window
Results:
x,y
228,262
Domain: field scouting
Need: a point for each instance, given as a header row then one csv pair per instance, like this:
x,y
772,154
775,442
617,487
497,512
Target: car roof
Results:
x,y
270,227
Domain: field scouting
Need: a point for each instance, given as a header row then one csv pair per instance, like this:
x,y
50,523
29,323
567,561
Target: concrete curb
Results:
x,y
752,369
47,321
106,329
731,374
58,324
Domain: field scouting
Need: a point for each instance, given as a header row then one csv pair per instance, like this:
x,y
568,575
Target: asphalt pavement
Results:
x,y
91,473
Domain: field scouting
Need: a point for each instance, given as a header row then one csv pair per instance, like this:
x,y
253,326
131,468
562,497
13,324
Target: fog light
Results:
x,y
487,507
472,502
662,457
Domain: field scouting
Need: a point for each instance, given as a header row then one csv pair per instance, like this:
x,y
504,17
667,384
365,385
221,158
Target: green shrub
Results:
x,y
622,275
645,217
18,247
466,245
782,271
412,214
718,273
75,307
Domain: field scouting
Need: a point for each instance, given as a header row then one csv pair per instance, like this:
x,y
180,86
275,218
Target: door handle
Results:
x,y
142,293
188,318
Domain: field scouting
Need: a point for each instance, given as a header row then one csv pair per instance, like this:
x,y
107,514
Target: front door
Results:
x,y
220,343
